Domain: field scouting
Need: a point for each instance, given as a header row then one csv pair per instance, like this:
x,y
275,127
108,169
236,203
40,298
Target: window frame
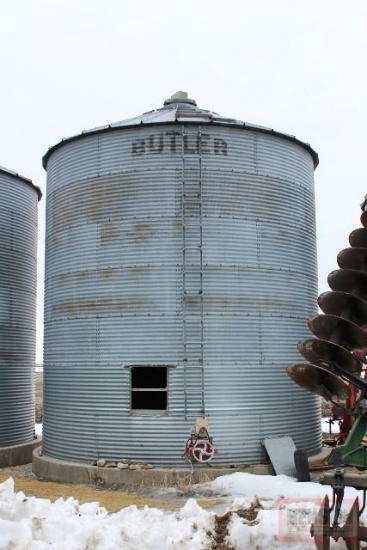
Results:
x,y
159,389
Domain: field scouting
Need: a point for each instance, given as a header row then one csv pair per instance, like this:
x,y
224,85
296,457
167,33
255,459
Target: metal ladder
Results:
x,y
192,274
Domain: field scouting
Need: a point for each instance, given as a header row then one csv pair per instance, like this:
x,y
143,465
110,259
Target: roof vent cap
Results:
x,y
179,97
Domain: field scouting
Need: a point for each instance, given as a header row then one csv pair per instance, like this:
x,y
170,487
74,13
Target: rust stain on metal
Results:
x,y
138,270
94,201
80,274
177,224
73,308
76,274
143,230
97,200
108,232
92,306
106,273
248,305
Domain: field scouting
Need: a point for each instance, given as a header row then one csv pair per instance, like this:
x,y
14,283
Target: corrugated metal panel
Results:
x,y
9,175
141,149
115,282
18,234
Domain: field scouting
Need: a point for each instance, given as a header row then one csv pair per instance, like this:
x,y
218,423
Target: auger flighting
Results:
x,y
335,371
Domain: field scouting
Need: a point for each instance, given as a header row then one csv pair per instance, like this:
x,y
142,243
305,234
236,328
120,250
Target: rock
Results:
x,y
122,465
101,462
110,465
135,466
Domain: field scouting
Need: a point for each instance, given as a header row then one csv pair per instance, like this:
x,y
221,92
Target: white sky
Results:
x,y
283,521
298,67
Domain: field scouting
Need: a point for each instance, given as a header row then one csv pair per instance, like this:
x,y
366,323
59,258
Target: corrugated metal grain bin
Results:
x,y
18,259
180,274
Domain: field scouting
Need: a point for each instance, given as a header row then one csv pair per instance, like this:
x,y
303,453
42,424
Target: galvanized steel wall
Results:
x,y
116,297
18,242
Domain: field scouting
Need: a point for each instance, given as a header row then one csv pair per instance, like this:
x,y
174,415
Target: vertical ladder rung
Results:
x,y
192,258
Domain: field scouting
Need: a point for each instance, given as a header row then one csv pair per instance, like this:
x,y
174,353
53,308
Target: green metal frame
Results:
x,y
354,451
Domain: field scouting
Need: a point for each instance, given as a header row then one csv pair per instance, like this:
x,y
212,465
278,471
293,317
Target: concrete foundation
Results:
x,y
71,472
61,471
18,454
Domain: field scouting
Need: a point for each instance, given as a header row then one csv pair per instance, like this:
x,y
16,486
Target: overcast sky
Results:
x,y
298,67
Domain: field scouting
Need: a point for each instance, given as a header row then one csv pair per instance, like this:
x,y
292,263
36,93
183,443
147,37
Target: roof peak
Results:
x,y
179,98
179,108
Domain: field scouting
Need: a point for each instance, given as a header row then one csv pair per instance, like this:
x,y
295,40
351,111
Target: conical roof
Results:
x,y
179,108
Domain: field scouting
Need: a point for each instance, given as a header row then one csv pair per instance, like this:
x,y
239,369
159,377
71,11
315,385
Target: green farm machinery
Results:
x,y
335,370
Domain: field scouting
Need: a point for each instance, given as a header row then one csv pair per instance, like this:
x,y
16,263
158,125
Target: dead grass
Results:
x,y
111,500
220,533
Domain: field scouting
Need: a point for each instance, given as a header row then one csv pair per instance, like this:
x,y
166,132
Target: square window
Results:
x,y
149,388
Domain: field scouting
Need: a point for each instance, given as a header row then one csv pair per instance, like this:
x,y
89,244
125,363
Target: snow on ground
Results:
x,y
285,509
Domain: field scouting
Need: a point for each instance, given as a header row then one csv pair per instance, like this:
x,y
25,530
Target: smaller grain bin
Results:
x,y
18,260
180,269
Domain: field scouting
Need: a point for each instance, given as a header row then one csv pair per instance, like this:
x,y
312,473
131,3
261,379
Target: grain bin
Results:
x,y
18,258
180,270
